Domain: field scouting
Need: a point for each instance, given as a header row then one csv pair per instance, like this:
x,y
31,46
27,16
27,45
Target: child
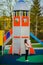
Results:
x,y
27,46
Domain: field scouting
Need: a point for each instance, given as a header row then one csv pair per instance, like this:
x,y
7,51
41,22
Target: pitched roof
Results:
x,y
21,6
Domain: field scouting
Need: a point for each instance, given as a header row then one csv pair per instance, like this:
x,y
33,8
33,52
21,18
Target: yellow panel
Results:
x,y
1,37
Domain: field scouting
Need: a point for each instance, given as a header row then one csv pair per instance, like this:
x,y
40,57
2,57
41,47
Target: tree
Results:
x,y
9,8
35,16
6,10
3,13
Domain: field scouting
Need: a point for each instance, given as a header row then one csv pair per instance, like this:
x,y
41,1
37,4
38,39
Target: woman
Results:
x,y
26,49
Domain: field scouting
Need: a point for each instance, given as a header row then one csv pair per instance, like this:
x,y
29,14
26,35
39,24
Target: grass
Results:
x,y
37,45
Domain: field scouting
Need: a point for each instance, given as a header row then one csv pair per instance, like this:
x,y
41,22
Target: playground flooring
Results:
x,y
32,59
20,60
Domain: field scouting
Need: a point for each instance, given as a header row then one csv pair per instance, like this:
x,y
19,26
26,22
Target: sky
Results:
x,y
41,2
30,1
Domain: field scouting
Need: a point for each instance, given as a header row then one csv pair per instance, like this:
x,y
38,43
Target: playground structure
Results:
x,y
7,38
20,29
21,24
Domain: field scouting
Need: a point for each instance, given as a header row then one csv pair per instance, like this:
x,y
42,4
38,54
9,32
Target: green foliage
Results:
x,y
40,35
35,9
32,40
35,16
4,25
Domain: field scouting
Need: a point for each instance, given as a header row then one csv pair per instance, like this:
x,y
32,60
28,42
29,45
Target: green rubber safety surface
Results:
x,y
32,59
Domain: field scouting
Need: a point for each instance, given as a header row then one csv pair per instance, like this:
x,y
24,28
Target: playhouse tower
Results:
x,y
21,26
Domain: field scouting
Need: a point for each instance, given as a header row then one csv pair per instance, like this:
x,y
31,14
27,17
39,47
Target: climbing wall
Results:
x,y
7,36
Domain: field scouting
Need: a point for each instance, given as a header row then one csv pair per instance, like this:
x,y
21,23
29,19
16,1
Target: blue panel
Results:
x,y
8,35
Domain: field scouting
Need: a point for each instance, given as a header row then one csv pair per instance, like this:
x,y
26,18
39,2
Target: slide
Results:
x,y
7,36
34,37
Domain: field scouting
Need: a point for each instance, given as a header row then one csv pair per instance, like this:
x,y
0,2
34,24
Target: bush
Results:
x,y
32,40
40,35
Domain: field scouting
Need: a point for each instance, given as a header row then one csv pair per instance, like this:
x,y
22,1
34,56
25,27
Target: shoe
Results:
x,y
27,60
